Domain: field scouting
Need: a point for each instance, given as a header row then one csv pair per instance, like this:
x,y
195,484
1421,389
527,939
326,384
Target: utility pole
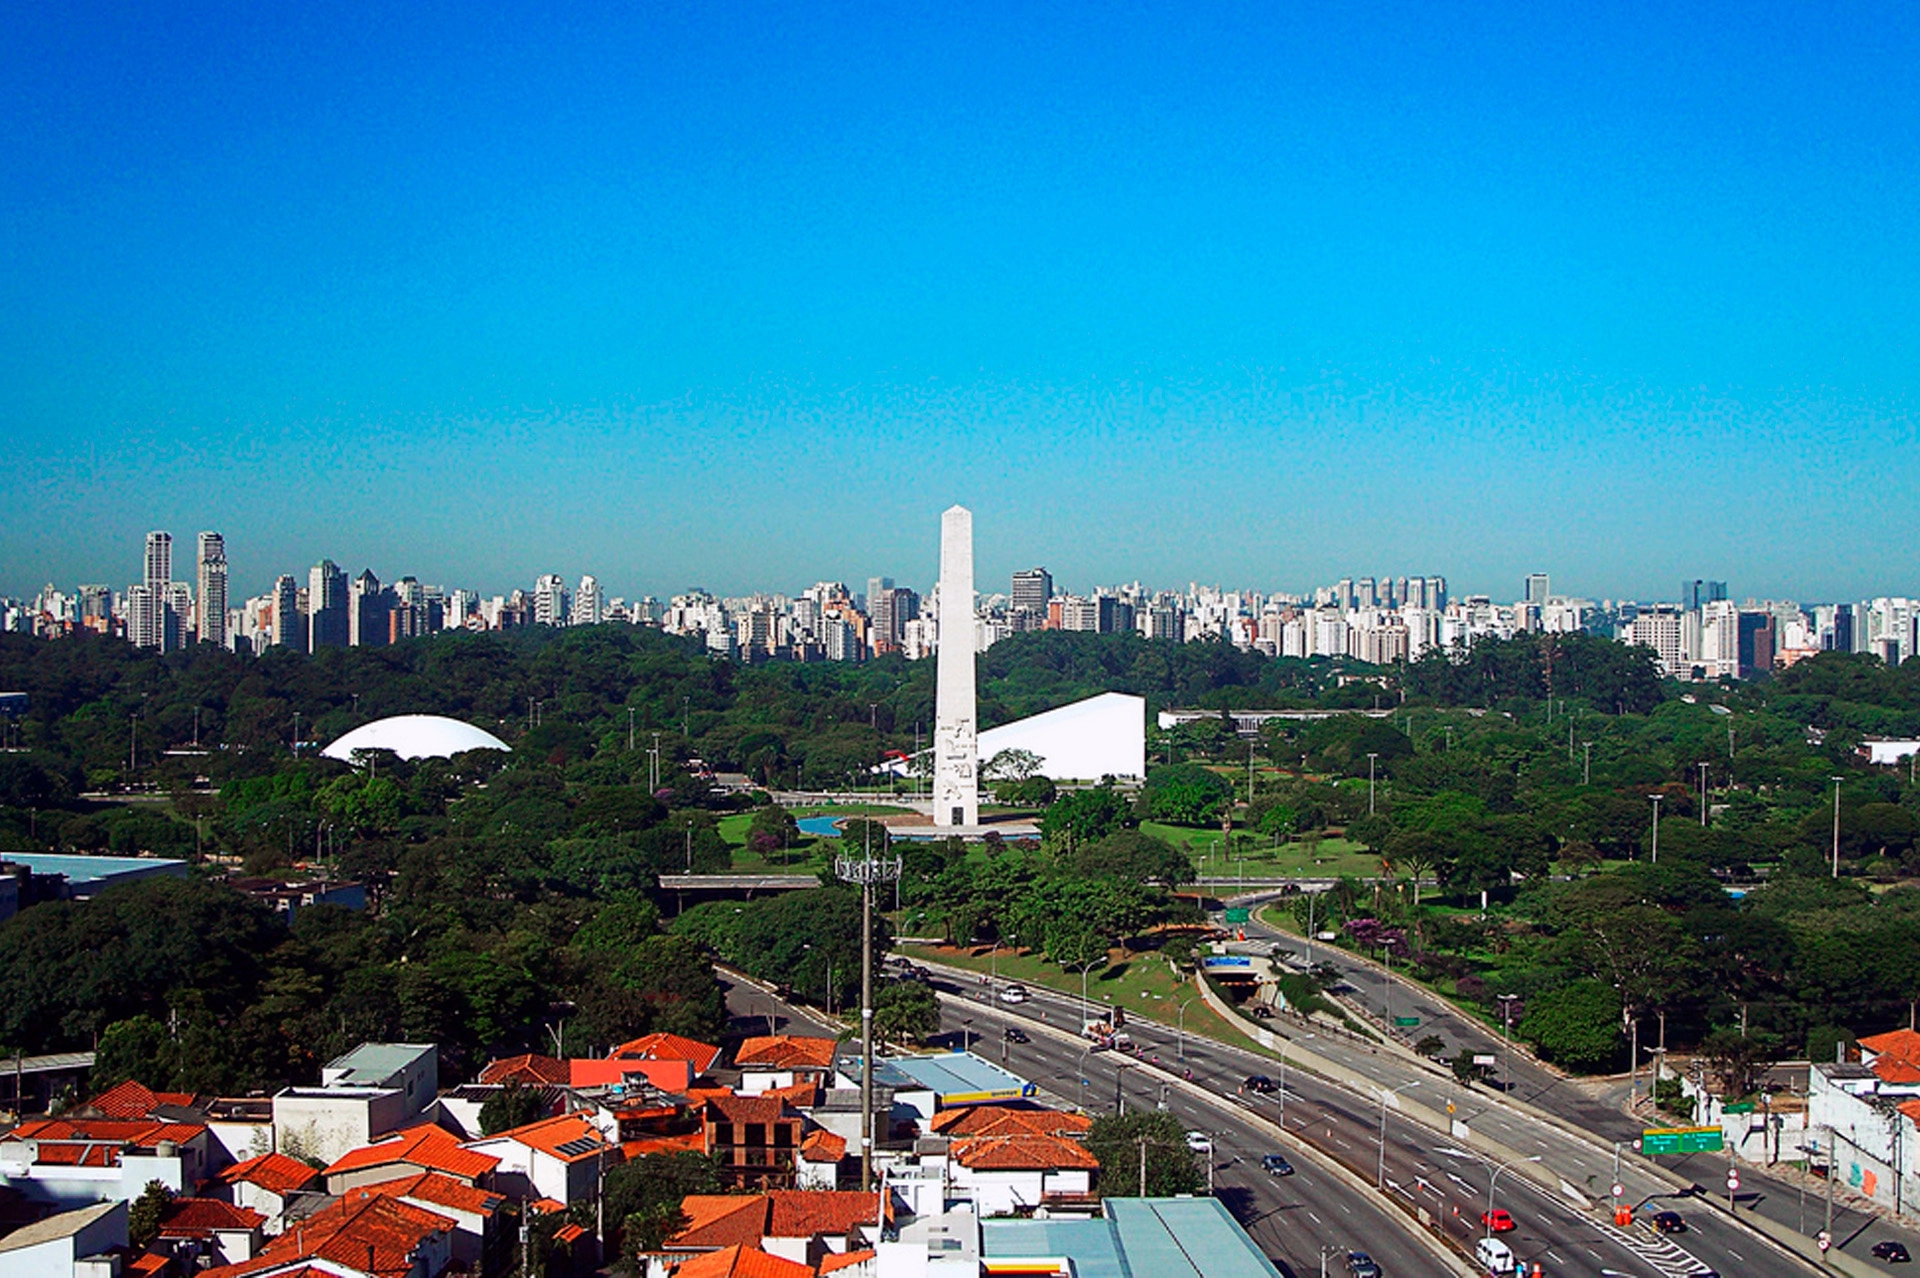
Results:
x,y
1656,826
1586,774
629,729
1703,792
866,871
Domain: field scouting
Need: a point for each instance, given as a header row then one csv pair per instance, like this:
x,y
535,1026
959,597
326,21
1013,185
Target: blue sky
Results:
x,y
743,296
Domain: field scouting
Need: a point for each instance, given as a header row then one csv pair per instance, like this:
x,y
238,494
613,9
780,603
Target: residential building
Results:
x,y
754,1139
210,622
268,1184
767,1062
66,1161
589,604
550,602
86,1242
1032,589
196,1230
406,1154
360,1236
1537,590
559,1158
372,1090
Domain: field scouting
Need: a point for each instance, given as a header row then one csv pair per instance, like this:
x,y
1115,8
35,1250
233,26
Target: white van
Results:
x,y
1494,1256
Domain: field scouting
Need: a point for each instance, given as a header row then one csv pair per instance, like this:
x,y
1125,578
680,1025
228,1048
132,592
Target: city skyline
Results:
x,y
700,297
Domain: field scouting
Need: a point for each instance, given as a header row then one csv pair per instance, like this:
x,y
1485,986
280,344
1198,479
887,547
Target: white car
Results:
x,y
1014,994
1200,1142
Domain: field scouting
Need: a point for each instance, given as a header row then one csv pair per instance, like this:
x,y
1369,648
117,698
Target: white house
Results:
x,y
370,1091
558,1158
73,1244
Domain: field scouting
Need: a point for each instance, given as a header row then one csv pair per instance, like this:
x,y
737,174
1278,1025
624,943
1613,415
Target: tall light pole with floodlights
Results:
x,y
1656,825
1371,756
866,870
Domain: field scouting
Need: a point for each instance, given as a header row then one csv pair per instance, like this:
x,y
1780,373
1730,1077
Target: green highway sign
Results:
x,y
1681,1140
1238,914
1406,1022
1739,1107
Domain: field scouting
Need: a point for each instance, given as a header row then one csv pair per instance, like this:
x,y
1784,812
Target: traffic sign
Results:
x,y
1825,1239
1738,1107
1238,914
1681,1140
1406,1022
1733,1180
1618,1189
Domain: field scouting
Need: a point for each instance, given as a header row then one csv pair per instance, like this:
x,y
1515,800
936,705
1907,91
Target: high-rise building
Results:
x,y
550,600
1031,590
1537,588
212,615
149,629
589,605
1698,593
289,627
327,622
367,607
877,586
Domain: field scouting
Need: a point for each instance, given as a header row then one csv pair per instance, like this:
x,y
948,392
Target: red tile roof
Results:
x,y
1912,1110
721,1220
742,1262
803,1093
823,1147
133,1099
431,1190
370,1233
543,1071
802,1213
668,1047
427,1147
569,1234
691,1142
785,1051
275,1173
1896,1055
569,1138
833,1263
729,1108
996,1120
198,1217
97,1142
1022,1153
148,1263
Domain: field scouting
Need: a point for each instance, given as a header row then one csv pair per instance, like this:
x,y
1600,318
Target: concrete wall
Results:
x,y
323,1123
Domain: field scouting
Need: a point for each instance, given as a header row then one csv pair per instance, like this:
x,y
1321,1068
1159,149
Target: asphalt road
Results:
x,y
1421,1165
1520,1076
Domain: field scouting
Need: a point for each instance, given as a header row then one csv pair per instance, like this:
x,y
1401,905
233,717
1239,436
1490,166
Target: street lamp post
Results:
x,y
1656,826
1305,1038
1703,792
1836,827
1506,1040
1493,1178
1180,1043
1586,771
1380,1176
1371,756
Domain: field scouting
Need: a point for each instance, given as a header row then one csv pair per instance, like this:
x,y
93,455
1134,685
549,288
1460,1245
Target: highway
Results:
x,y
1524,1079
1422,1166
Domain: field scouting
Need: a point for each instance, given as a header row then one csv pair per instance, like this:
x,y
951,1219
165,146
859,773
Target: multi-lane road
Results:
x,y
1524,1079
1317,1215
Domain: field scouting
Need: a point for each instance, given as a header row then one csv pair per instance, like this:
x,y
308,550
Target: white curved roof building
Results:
x,y
415,736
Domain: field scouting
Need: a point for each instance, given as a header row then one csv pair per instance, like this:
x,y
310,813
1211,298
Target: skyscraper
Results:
x,y
1698,593
589,605
289,627
147,620
213,589
1537,588
327,624
367,608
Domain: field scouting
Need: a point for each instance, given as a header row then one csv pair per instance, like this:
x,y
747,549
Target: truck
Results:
x,y
1108,1035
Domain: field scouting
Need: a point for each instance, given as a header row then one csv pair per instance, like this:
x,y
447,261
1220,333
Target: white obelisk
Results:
x,y
956,750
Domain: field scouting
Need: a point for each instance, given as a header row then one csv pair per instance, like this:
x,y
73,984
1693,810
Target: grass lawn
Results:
x,y
1141,983
1329,858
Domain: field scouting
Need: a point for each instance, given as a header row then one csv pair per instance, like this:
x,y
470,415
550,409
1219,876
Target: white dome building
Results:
x,y
415,736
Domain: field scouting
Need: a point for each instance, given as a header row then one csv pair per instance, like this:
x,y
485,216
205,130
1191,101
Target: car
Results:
x,y
1276,1165
1014,1034
1260,1083
1361,1265
1666,1222
1014,994
1497,1221
1200,1142
1891,1250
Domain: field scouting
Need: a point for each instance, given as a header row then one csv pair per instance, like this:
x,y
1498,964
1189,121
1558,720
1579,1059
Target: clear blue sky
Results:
x,y
743,296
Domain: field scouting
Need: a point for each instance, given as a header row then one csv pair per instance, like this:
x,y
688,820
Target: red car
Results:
x,y
1497,1220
